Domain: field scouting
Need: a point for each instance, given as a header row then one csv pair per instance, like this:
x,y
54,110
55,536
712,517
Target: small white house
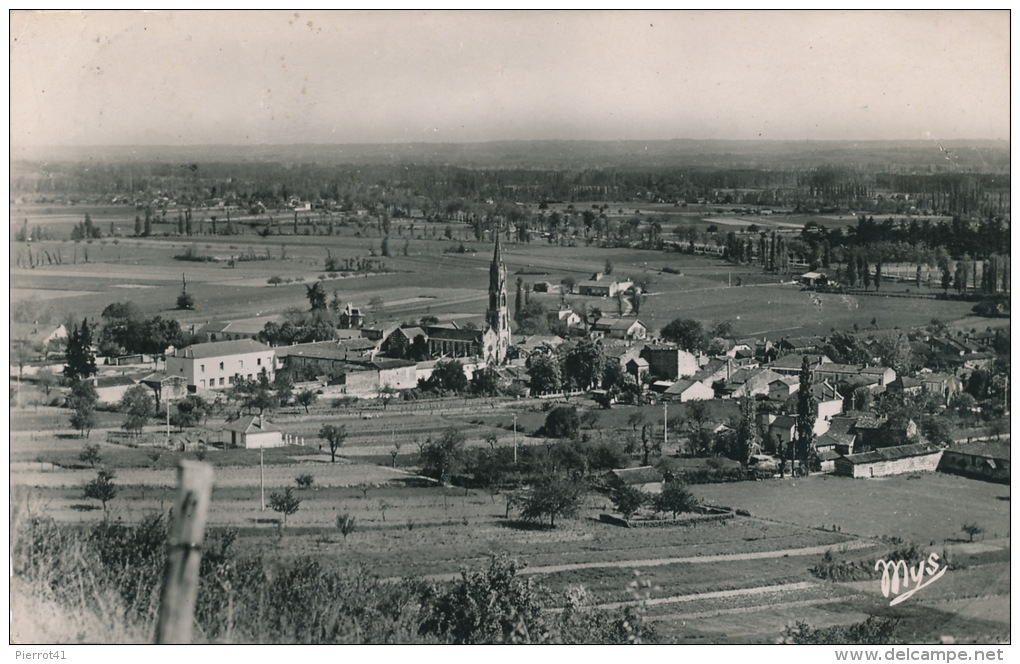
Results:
x,y
685,390
253,432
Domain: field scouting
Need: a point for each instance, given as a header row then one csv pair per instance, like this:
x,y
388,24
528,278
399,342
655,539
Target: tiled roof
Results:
x,y
453,334
784,421
993,450
221,349
893,453
114,381
641,475
251,424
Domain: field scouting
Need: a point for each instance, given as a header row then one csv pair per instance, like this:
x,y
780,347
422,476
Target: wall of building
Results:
x,y
670,363
914,464
697,392
978,467
399,378
217,373
360,383
254,441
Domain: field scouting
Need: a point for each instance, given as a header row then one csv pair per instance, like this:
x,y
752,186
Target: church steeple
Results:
x,y
498,314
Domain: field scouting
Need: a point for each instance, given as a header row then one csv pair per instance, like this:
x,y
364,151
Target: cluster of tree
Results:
x,y
800,179
82,401
691,335
86,230
499,467
582,365
125,330
675,498
299,327
191,411
80,359
260,394
138,405
37,234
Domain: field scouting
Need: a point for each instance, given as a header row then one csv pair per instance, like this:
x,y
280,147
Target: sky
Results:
x,y
280,77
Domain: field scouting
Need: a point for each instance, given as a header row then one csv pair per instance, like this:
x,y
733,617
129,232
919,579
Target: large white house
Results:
x,y
213,366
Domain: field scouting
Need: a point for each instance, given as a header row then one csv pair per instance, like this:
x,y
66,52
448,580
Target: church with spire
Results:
x,y
492,342
497,316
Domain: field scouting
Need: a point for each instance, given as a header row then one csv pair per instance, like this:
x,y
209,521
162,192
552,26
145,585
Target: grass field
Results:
x,y
736,581
427,280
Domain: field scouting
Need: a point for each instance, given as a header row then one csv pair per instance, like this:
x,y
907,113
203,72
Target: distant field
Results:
x,y
922,508
427,280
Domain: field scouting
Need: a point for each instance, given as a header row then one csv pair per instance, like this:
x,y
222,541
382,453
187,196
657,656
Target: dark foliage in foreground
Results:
x,y
251,599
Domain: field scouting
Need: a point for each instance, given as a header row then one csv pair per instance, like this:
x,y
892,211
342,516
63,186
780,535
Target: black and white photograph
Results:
x,y
510,327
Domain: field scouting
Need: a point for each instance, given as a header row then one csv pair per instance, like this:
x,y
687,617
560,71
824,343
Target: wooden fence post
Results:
x,y
184,553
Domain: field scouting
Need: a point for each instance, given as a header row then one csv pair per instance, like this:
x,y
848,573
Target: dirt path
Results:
x,y
656,562
771,606
717,594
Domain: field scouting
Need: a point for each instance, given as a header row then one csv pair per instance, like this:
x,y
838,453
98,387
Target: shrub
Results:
x,y
285,503
304,481
90,455
101,488
346,523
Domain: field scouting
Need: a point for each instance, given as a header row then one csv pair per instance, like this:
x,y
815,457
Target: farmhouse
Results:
x,y
872,376
749,382
398,342
781,388
782,430
601,285
982,461
214,365
827,460
941,384
112,388
325,357
830,404
350,318
165,386
914,458
790,364
813,279
253,432
669,362
543,343
565,316
37,338
800,345
619,328
637,367
647,478
248,328
906,385
685,390
840,443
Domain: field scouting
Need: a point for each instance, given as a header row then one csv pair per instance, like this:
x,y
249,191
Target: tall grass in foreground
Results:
x,y
101,584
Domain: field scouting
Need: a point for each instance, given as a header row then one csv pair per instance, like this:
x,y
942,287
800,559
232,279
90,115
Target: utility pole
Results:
x,y
665,426
262,477
168,423
515,439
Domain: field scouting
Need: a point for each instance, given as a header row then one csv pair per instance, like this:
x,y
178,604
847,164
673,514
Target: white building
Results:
x,y
253,432
214,365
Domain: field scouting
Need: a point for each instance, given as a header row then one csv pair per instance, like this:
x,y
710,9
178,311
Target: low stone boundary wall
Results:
x,y
687,520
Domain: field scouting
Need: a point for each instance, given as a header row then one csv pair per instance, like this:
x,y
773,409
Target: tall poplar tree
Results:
x,y
806,410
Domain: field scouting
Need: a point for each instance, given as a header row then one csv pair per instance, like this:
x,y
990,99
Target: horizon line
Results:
x,y
14,145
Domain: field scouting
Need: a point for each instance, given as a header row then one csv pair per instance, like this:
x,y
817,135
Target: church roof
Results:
x,y
453,334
